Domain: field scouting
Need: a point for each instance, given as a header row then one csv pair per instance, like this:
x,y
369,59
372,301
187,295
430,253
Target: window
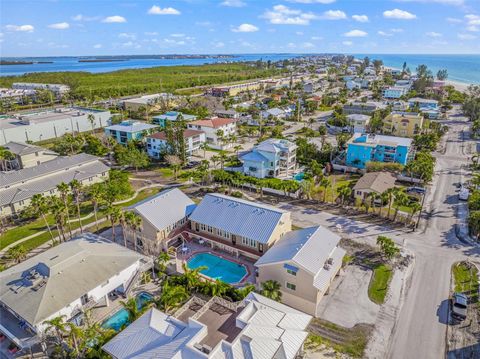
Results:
x,y
289,271
290,286
249,242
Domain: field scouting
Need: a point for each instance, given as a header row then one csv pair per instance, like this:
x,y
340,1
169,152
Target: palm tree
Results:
x,y
218,288
243,292
114,214
171,297
237,148
390,194
384,197
415,207
134,221
204,147
271,289
192,276
17,253
58,326
373,196
324,183
96,193
75,337
5,158
64,190
162,261
401,199
223,157
91,118
39,207
215,159
344,192
133,309
76,188
57,208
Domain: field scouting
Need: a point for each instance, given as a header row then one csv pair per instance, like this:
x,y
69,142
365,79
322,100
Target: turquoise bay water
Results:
x,y
218,268
120,318
461,68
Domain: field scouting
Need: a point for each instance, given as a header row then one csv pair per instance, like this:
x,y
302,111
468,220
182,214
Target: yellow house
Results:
x,y
403,124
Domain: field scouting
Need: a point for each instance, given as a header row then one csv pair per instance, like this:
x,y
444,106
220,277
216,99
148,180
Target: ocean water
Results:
x,y
71,63
461,68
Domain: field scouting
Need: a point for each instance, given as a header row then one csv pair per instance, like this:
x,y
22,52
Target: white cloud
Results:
x,y
97,46
360,18
151,33
59,26
21,28
245,28
453,20
355,33
316,38
383,33
114,19
399,14
466,36
157,10
299,33
447,2
473,28
313,1
204,23
218,44
81,17
396,30
177,35
233,3
307,45
334,15
283,15
347,43
433,34
125,35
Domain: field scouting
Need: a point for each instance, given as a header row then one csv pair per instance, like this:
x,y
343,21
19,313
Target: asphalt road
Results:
x,y
422,321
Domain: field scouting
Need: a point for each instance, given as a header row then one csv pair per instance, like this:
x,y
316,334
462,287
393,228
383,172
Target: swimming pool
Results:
x,y
218,267
299,176
120,318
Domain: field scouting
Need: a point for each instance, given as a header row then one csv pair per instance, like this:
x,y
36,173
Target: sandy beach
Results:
x,y
460,86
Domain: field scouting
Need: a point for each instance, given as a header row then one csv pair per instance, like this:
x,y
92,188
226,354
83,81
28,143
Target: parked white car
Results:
x,y
463,194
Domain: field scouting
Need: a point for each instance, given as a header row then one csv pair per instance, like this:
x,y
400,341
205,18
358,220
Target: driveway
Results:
x,y
348,303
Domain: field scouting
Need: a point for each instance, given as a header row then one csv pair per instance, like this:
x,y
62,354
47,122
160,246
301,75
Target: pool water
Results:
x,y
299,176
120,318
218,268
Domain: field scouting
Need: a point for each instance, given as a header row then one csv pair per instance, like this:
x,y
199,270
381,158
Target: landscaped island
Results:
x,y
147,80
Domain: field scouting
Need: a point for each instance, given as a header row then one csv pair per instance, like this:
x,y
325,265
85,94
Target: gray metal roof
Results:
x,y
254,157
21,148
64,274
308,248
165,208
244,218
45,168
25,191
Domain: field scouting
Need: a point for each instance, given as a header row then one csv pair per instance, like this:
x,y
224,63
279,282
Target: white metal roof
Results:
x,y
308,248
252,220
165,208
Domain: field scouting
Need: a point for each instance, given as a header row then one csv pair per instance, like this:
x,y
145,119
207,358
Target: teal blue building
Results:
x,y
129,130
378,148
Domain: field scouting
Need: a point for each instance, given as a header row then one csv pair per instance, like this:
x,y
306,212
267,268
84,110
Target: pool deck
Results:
x,y
196,248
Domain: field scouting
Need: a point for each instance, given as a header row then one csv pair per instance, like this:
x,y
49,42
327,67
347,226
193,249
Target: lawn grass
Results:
x,y
15,234
465,276
378,288
351,341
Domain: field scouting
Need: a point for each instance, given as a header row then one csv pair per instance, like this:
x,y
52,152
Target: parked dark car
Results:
x,y
419,190
459,306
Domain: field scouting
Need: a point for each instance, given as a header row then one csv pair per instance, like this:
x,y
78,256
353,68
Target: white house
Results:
x,y
157,143
65,280
212,126
258,328
358,122
58,89
395,92
304,262
27,155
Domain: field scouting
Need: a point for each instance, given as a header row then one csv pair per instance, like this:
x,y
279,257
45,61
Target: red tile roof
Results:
x,y
214,122
186,134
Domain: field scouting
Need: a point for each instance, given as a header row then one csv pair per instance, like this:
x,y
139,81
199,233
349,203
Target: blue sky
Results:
x,y
113,27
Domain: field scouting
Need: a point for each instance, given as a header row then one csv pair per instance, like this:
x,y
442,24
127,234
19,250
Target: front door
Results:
x,y
234,239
